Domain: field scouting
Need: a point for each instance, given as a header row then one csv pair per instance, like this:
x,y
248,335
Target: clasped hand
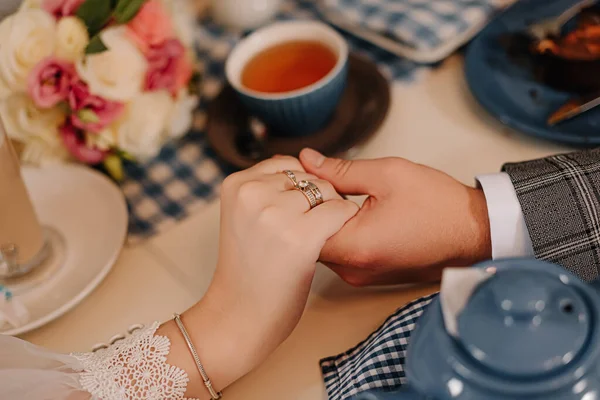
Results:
x,y
414,221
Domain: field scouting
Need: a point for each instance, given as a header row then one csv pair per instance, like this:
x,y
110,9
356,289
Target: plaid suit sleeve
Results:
x,y
560,199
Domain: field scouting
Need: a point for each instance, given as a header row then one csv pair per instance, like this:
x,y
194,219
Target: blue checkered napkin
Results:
x,y
378,362
187,175
428,26
184,179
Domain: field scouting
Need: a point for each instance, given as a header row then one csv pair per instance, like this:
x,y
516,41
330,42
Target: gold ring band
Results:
x,y
315,189
310,196
311,192
292,177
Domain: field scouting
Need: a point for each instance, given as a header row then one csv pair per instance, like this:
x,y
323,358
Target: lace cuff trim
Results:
x,y
133,369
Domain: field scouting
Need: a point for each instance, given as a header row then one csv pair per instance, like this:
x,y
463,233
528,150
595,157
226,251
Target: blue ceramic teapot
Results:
x,y
526,330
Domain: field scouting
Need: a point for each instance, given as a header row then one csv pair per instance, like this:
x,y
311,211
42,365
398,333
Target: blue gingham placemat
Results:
x,y
187,174
378,362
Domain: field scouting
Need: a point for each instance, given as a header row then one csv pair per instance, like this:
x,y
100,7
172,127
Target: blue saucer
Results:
x,y
509,91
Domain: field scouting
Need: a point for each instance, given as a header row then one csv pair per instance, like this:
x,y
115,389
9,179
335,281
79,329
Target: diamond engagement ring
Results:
x,y
311,192
292,177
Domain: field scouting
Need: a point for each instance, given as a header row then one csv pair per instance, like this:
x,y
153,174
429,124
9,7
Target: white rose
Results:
x,y
29,4
71,39
26,38
5,90
142,129
182,115
24,121
118,73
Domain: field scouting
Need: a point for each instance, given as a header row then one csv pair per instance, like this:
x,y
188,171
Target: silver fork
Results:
x,y
552,26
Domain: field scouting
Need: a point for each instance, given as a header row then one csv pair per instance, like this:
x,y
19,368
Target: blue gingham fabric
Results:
x,y
187,174
378,362
420,24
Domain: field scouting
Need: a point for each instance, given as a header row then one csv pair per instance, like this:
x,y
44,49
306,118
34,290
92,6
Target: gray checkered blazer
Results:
x,y
560,199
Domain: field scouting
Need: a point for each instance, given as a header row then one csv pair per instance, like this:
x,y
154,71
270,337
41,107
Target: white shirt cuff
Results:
x,y
510,237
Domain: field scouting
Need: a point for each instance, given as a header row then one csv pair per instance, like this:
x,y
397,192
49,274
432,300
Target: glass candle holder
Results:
x,y
23,242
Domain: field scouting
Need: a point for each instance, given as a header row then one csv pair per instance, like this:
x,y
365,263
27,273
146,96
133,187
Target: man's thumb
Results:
x,y
348,177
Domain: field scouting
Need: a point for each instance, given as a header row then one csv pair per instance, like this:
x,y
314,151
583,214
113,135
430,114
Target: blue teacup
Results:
x,y
299,112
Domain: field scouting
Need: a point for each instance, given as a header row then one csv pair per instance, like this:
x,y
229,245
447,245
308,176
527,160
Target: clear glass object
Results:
x,y
24,243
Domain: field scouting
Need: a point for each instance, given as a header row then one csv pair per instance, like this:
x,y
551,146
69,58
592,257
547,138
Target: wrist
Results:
x,y
223,348
478,243
225,344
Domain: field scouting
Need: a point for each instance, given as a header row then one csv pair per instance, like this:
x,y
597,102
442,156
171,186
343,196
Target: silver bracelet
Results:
x,y
213,393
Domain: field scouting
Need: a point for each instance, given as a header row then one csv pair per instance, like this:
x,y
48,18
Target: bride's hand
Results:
x,y
269,244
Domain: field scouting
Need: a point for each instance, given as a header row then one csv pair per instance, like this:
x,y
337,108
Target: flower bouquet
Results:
x,y
96,81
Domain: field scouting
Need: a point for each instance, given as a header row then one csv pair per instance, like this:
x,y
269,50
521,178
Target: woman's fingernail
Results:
x,y
313,157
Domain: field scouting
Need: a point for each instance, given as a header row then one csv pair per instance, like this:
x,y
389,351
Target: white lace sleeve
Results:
x,y
134,368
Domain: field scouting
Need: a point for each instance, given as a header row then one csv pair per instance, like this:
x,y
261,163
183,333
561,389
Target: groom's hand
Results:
x,y
415,221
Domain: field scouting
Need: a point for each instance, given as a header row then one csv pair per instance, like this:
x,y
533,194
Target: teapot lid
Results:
x,y
523,323
524,329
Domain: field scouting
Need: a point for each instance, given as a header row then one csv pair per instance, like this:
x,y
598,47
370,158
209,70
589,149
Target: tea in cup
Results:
x,y
291,75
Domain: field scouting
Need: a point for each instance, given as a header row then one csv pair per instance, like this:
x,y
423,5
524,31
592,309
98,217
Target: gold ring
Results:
x,y
292,177
318,194
311,192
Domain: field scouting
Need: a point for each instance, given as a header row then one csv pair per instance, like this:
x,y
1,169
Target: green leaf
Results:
x,y
95,14
95,46
125,155
126,10
88,116
114,166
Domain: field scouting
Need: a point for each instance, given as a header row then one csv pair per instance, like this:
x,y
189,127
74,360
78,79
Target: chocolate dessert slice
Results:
x,y
571,62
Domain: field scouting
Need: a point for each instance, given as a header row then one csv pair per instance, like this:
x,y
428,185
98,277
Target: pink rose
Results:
x,y
90,112
74,141
151,26
61,8
49,82
168,67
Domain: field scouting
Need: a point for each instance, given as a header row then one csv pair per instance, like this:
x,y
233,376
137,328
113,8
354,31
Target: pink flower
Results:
x,y
49,82
75,143
90,112
61,8
151,26
168,67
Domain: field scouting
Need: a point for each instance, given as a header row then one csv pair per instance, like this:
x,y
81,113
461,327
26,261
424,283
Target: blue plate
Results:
x,y
505,88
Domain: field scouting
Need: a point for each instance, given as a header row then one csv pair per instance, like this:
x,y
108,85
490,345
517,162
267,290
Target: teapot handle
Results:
x,y
407,393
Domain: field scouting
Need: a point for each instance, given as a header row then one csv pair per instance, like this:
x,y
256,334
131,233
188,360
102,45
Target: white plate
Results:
x,y
87,217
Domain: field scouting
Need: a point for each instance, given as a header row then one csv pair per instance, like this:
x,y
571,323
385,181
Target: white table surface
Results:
x,y
434,121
